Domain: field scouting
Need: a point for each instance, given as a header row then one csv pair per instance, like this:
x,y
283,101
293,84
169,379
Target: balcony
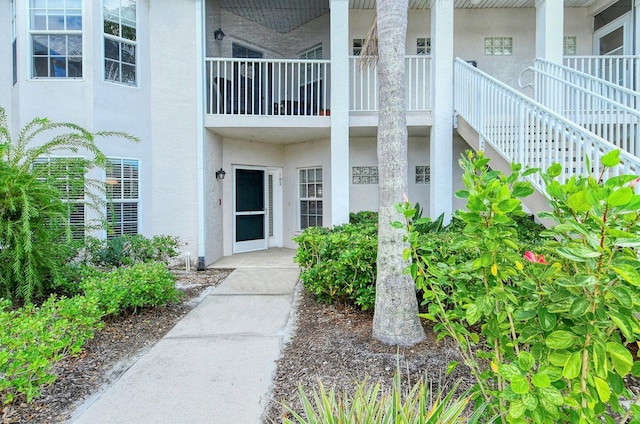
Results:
x,y
289,92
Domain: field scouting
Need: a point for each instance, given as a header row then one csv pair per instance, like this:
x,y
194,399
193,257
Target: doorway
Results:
x,y
257,206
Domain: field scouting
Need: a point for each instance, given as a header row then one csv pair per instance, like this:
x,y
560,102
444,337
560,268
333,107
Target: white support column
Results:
x,y
549,30
339,112
636,26
200,25
441,142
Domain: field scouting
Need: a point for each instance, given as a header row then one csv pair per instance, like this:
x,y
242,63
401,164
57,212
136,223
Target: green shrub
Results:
x,y
363,217
369,405
126,250
545,332
32,338
129,289
339,265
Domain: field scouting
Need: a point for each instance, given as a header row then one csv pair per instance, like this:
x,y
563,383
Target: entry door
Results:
x,y
250,209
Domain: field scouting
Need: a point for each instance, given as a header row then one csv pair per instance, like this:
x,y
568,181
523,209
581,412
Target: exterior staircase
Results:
x,y
572,120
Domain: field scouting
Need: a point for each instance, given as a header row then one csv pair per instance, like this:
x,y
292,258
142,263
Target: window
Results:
x,y
120,41
67,175
310,197
357,46
364,175
122,182
423,46
423,174
498,46
56,38
569,46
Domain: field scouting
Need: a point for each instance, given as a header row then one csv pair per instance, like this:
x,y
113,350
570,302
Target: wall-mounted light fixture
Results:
x,y
220,174
218,34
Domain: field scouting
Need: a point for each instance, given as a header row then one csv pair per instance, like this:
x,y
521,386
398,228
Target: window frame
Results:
x,y
426,46
120,41
14,43
65,32
318,199
491,48
110,200
311,72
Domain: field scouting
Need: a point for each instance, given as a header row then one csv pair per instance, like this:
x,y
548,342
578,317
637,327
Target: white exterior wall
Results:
x,y
213,197
6,66
173,64
304,155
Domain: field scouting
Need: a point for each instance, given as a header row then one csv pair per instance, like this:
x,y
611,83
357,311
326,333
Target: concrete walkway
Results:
x,y
217,364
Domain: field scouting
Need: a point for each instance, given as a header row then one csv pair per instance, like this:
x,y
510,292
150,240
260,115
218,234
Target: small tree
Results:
x,y
34,220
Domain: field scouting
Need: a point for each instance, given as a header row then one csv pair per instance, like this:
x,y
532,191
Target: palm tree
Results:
x,y
395,319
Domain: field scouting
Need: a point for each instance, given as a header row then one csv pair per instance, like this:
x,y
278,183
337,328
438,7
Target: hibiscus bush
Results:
x,y
546,332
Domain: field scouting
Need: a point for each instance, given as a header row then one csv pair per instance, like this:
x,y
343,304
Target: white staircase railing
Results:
x,y
603,108
621,70
523,131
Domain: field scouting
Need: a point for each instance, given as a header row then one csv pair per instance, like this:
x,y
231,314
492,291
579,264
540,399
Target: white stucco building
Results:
x,y
270,93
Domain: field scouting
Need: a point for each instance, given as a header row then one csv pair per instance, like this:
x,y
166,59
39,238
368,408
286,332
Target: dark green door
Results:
x,y
249,210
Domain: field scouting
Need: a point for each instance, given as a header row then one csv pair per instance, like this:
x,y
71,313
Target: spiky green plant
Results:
x,y
367,405
34,220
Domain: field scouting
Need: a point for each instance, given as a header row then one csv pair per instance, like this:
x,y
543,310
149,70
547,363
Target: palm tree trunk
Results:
x,y
395,319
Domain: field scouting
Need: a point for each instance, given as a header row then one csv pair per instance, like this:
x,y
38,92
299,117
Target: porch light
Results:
x,y
220,174
218,34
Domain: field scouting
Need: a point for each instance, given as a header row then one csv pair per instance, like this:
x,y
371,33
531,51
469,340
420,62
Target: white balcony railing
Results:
x,y
524,131
601,107
621,70
266,87
363,80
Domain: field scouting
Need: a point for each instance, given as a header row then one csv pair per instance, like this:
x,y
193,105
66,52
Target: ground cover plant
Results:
x,y
545,331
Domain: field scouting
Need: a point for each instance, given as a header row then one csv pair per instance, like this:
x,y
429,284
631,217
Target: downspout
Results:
x,y
200,130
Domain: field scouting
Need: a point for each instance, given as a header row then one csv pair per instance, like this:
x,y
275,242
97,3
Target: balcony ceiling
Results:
x,y
286,15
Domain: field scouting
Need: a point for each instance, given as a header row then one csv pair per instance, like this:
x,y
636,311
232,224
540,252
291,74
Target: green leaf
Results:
x,y
560,339
620,197
622,322
621,358
554,170
462,194
516,410
622,295
611,159
547,319
509,371
475,204
578,202
541,380
604,393
579,307
635,369
526,361
473,314
559,358
573,367
520,385
628,274
577,253
508,205
550,396
522,315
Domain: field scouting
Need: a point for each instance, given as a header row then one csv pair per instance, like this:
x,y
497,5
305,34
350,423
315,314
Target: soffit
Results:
x,y
286,15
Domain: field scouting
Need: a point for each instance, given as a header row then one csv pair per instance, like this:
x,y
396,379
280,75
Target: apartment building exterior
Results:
x,y
256,119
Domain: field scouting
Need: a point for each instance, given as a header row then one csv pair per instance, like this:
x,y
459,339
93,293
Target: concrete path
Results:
x,y
217,364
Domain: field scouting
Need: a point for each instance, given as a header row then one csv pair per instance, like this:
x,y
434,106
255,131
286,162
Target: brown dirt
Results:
x,y
333,344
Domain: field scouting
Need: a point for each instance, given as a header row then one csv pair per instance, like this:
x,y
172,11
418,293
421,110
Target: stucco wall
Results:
x,y
213,197
173,64
6,66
